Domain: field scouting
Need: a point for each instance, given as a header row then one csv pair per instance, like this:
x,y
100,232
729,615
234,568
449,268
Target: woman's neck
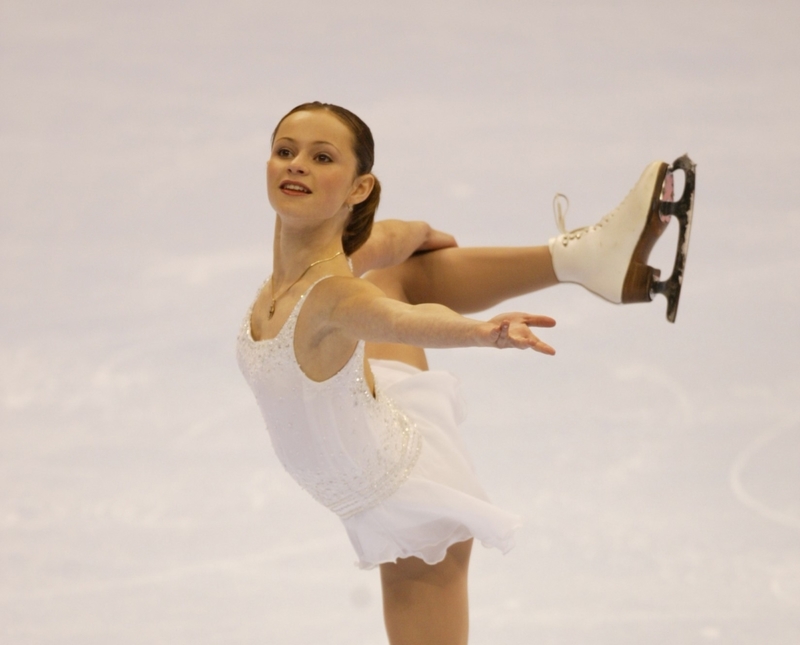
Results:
x,y
294,248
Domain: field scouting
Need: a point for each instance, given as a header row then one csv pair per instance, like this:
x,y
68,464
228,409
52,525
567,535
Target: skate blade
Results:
x,y
682,210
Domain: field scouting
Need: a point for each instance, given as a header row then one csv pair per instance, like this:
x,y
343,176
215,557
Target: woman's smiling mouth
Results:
x,y
294,188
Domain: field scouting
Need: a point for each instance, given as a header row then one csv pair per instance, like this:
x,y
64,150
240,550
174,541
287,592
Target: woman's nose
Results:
x,y
298,166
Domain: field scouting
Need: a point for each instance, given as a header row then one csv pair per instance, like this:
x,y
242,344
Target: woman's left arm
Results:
x,y
393,241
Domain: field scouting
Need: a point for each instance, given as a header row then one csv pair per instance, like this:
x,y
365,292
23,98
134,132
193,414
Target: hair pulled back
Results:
x,y
359,224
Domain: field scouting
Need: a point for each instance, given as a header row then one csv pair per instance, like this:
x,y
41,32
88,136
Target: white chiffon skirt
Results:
x,y
441,502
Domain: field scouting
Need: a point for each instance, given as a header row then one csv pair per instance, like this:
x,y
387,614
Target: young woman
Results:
x,y
336,364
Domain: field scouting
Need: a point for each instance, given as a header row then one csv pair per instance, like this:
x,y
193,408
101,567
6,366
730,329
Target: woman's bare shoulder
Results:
x,y
340,290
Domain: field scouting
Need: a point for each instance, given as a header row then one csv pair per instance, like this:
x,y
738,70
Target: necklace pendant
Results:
x,y
271,311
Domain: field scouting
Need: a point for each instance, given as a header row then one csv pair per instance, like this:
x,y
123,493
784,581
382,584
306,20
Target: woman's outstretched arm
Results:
x,y
359,310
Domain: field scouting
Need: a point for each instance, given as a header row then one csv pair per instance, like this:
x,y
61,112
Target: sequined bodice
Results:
x,y
346,447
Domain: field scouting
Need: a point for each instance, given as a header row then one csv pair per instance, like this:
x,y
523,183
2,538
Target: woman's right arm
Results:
x,y
362,311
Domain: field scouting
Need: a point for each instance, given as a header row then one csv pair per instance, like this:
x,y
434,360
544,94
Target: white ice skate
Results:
x,y
610,258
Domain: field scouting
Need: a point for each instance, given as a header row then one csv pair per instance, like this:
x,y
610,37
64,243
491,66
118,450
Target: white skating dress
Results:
x,y
392,466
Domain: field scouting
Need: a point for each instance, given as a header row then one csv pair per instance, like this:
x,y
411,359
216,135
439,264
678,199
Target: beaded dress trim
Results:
x,y
349,449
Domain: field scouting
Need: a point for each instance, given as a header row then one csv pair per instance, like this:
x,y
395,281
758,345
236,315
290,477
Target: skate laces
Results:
x,y
560,208
559,212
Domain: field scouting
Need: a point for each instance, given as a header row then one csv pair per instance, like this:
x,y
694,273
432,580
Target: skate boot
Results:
x,y
610,258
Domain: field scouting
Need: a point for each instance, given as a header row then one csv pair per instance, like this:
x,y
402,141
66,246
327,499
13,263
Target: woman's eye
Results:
x,y
324,157
283,152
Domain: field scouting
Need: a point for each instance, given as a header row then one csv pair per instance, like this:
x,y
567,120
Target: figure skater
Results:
x,y
336,363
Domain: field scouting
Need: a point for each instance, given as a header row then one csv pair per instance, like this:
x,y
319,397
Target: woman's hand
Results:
x,y
434,240
393,241
513,330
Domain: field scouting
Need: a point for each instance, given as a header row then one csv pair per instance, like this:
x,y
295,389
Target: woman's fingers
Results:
x,y
438,240
536,344
543,348
517,334
539,321
503,336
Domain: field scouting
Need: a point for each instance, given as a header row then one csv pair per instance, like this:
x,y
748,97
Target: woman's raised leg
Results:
x,y
427,604
471,279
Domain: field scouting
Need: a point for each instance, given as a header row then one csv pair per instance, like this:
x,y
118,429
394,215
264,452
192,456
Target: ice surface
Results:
x,y
656,465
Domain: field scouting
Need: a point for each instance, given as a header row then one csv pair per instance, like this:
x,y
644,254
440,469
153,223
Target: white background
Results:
x,y
657,465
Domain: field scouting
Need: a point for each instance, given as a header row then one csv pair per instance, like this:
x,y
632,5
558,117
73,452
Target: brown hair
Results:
x,y
359,225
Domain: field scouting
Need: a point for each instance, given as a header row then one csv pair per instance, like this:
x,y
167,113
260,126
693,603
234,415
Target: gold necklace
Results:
x,y
285,291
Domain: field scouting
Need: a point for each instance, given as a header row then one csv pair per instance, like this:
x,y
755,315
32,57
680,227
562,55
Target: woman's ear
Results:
x,y
362,187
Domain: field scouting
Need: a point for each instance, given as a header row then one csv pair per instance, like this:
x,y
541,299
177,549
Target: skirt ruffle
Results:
x,y
441,502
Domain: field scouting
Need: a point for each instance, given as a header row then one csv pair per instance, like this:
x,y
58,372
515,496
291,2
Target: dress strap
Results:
x,y
314,284
291,321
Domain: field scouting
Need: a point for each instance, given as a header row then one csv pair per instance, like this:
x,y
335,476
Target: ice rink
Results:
x,y
657,466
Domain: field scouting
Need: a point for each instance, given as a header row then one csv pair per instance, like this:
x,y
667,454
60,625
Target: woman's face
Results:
x,y
311,172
